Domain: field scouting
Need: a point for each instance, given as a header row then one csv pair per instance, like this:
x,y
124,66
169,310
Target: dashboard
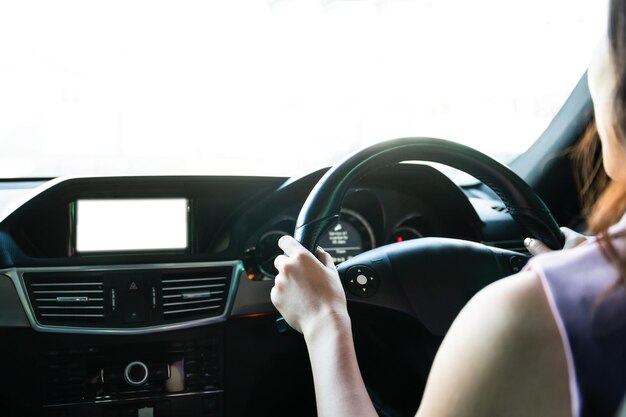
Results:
x,y
150,295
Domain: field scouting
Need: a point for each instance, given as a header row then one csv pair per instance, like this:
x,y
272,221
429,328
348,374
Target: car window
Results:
x,y
276,87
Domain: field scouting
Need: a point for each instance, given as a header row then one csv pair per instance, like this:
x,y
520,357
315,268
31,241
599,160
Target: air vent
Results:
x,y
67,298
194,294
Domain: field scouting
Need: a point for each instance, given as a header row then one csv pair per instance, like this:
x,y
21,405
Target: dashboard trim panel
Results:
x,y
138,398
16,275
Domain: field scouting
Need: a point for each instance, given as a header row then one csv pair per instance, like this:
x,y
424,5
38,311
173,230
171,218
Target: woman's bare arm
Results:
x,y
309,294
339,388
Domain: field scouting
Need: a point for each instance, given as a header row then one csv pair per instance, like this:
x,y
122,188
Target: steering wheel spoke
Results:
x,y
430,279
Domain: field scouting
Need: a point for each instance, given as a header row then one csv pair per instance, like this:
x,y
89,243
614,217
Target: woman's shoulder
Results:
x,y
510,352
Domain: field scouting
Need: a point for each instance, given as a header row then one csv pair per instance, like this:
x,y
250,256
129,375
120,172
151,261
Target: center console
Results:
x,y
121,338
178,378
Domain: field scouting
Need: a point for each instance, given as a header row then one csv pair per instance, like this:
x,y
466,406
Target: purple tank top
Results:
x,y
593,328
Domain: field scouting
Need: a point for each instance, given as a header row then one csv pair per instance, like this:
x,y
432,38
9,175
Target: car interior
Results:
x,y
152,154
94,322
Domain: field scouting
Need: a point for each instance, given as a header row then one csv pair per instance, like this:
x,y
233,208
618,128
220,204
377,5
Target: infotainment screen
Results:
x,y
119,225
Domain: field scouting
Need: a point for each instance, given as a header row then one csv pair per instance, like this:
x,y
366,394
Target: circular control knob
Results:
x,y
136,373
362,281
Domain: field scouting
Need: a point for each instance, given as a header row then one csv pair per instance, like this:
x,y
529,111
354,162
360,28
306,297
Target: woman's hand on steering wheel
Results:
x,y
572,239
307,290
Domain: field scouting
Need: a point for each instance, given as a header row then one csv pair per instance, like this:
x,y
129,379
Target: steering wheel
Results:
x,y
416,276
430,279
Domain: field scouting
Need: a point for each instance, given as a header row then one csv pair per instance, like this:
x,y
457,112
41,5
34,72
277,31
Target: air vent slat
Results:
x,y
73,300
68,292
192,287
67,298
168,281
64,284
181,295
192,302
194,294
190,309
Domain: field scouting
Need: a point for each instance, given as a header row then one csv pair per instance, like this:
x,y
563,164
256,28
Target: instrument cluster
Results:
x,y
362,225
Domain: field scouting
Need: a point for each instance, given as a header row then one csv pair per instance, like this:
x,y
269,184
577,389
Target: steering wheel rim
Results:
x,y
322,207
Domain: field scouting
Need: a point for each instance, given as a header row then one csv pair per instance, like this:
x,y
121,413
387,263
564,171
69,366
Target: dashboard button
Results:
x,y
134,307
136,373
362,281
517,263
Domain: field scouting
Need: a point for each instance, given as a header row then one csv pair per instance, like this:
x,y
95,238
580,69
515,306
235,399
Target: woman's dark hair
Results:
x,y
617,41
604,201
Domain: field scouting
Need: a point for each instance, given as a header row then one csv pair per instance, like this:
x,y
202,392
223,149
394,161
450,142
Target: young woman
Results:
x,y
550,341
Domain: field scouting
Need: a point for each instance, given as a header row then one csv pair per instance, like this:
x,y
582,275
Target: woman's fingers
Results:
x,y
307,288
535,247
572,239
325,257
280,261
290,246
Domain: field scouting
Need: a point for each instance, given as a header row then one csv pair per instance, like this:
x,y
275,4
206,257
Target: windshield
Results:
x,y
276,87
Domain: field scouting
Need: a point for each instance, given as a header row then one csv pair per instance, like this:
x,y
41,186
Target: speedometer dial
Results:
x,y
349,237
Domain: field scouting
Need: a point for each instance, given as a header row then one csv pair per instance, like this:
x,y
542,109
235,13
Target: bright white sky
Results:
x,y
276,87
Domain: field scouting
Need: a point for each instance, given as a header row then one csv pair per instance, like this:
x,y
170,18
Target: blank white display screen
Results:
x,y
127,225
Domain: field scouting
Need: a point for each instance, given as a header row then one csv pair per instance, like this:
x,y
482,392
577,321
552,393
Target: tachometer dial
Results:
x,y
267,250
349,237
